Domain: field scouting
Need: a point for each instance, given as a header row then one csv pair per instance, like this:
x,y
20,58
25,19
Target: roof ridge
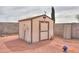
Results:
x,y
30,18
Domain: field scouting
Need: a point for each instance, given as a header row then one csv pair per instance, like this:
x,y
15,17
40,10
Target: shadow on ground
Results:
x,y
20,45
16,45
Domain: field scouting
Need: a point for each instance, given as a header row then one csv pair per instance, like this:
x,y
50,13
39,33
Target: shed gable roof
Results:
x,y
33,18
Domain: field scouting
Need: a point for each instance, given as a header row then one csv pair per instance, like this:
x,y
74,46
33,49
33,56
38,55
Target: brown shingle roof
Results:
x,y
33,18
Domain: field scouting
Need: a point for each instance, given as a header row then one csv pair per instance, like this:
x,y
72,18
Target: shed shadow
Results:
x,y
20,45
17,45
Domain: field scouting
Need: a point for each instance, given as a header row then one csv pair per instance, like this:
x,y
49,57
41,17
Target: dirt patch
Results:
x,y
13,44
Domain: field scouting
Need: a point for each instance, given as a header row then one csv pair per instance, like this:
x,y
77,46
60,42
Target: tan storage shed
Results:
x,y
36,28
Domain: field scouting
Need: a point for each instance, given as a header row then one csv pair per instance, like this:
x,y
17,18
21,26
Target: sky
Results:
x,y
67,14
63,14
15,13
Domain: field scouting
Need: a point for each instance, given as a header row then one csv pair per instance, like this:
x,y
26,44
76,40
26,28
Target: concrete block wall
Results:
x,y
8,28
67,30
75,30
58,30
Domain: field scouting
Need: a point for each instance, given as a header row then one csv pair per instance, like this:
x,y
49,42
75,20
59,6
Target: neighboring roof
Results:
x,y
33,18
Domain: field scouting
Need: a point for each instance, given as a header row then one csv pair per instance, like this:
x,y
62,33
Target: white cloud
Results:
x,y
14,13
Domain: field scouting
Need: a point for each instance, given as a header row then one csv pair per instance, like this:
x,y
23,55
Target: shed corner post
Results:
x,y
19,30
31,31
71,30
39,30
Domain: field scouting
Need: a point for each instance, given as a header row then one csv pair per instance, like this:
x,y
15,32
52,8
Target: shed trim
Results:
x,y
31,30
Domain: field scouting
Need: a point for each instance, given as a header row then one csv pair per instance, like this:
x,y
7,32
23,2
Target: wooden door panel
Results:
x,y
44,30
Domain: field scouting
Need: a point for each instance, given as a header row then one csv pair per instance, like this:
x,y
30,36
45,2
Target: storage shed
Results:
x,y
36,29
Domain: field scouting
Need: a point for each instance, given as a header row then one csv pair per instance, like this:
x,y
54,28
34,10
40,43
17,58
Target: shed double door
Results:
x,y
43,30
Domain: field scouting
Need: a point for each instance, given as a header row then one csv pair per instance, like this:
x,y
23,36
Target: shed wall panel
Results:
x,y
25,30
